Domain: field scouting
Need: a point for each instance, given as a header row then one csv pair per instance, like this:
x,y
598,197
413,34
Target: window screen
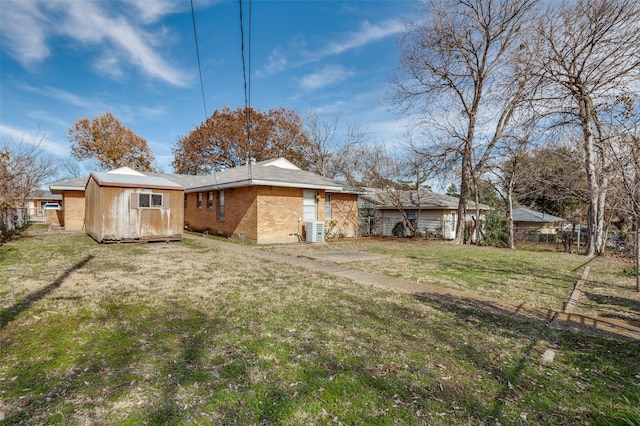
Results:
x,y
221,205
147,200
156,200
144,200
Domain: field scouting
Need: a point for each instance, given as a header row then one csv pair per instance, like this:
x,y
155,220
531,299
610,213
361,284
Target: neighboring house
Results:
x,y
72,192
126,205
271,201
527,222
434,215
266,202
36,201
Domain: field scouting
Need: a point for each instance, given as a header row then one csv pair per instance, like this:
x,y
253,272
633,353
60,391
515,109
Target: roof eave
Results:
x,y
259,182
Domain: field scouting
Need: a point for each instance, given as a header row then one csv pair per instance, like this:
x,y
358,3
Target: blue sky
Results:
x,y
62,60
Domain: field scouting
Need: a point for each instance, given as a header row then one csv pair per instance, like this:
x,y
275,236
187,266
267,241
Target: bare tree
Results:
x,y
588,52
398,181
336,147
462,71
508,171
24,166
624,147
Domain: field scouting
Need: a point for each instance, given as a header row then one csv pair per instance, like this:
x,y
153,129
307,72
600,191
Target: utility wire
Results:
x,y
195,35
247,80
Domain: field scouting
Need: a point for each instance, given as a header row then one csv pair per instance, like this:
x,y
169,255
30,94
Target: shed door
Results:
x,y
309,206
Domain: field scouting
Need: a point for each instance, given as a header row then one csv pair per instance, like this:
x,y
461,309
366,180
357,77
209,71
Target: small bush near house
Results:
x,y
494,232
398,230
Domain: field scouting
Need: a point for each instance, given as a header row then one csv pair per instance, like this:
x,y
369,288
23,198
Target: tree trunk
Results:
x,y
638,254
512,244
590,164
465,182
478,221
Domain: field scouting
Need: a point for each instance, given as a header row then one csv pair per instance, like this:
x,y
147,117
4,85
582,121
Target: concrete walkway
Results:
x,y
424,291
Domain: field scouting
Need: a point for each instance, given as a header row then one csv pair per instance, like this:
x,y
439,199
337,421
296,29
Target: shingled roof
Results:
x,y
523,214
275,172
423,200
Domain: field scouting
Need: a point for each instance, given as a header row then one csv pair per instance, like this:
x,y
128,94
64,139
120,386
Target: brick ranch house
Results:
x,y
266,202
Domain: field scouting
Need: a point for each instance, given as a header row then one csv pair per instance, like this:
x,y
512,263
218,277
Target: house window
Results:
x,y
411,217
199,200
309,207
149,200
185,201
221,205
210,200
327,206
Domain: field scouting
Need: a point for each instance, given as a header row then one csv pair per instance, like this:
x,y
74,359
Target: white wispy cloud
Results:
x,y
328,75
85,103
367,33
152,11
277,61
28,27
22,31
39,138
299,47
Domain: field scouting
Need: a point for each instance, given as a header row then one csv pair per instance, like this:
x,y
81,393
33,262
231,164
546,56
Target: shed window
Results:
x,y
147,200
221,205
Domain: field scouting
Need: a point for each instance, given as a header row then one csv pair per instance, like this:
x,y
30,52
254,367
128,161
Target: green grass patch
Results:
x,y
184,334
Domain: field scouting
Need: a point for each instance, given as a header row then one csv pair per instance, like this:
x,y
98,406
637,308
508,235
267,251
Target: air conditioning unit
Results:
x,y
315,232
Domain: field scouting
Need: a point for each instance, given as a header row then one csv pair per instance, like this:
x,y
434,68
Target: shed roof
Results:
x,y
134,181
523,214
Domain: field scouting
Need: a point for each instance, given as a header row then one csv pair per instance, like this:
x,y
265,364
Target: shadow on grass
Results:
x,y
9,314
622,302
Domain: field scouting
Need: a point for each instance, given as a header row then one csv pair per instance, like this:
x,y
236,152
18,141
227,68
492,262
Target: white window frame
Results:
x,y
148,200
220,209
309,206
327,206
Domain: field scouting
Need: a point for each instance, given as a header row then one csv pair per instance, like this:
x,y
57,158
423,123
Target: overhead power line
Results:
x,y
195,35
246,65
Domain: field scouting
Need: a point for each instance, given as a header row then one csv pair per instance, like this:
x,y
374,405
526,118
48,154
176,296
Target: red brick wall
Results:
x,y
54,217
278,213
240,216
266,214
73,210
344,211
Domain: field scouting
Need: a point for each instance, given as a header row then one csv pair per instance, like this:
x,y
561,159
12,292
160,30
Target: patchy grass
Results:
x,y
539,278
183,333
